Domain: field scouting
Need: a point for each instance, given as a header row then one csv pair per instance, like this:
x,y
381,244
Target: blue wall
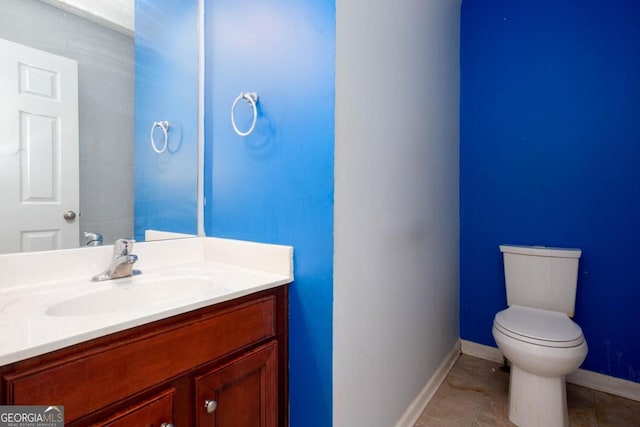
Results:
x,y
276,185
550,154
166,88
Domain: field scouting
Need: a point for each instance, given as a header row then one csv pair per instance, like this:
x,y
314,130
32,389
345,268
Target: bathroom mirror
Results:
x,y
98,36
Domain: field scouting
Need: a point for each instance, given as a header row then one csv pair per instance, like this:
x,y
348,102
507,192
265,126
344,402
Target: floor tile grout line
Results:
x,y
594,408
475,418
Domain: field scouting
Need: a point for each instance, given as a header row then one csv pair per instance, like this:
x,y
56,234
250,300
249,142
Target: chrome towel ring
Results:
x,y
251,98
164,125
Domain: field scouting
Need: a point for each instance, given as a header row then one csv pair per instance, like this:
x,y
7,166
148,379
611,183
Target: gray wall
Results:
x,y
106,94
396,203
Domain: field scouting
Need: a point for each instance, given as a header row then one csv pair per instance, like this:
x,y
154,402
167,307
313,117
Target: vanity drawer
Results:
x,y
156,411
101,375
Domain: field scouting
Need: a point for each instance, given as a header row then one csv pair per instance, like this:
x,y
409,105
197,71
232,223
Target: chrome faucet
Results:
x,y
122,262
93,239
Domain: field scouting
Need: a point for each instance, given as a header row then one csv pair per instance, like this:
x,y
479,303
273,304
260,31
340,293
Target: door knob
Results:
x,y
69,215
211,405
166,425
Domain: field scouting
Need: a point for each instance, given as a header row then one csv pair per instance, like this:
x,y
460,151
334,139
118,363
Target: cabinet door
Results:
x,y
154,412
241,393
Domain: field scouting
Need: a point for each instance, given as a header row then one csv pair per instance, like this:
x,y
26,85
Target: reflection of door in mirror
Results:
x,y
105,57
38,150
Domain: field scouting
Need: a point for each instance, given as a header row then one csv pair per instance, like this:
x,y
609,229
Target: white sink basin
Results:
x,y
134,295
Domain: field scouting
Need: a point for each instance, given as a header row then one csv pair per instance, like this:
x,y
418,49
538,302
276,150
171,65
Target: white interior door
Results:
x,y
38,149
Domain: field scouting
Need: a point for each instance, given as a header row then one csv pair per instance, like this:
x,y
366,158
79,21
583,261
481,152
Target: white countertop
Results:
x,y
188,274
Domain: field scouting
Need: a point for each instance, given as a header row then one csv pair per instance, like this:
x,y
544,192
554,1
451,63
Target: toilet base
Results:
x,y
537,401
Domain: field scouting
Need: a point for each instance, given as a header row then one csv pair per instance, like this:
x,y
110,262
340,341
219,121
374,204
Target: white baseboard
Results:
x,y
481,351
582,377
606,383
419,404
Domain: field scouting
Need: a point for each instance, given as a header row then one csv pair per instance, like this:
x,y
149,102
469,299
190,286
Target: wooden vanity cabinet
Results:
x,y
233,354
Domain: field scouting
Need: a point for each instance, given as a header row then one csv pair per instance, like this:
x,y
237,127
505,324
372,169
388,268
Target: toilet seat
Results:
x,y
540,327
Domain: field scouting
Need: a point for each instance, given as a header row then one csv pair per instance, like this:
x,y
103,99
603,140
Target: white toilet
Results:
x,y
536,333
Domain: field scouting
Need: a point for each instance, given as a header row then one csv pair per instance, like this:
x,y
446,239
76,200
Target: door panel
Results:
x,y
38,149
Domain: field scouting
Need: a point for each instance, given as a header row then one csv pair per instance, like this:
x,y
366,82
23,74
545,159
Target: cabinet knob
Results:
x,y
166,425
211,405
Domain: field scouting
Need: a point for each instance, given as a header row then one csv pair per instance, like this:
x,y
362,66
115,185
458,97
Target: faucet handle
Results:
x,y
123,247
93,239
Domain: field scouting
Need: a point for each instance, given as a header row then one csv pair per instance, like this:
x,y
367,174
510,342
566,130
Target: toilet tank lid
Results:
x,y
541,251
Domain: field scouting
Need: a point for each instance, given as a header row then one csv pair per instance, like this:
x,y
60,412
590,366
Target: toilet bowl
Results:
x,y
543,347
536,333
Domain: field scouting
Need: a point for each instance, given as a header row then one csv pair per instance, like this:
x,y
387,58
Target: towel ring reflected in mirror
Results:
x,y
164,126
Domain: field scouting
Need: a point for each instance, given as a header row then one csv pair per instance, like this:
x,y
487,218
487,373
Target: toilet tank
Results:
x,y
541,277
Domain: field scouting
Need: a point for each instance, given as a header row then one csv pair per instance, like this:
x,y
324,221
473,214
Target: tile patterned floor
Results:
x,y
474,394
